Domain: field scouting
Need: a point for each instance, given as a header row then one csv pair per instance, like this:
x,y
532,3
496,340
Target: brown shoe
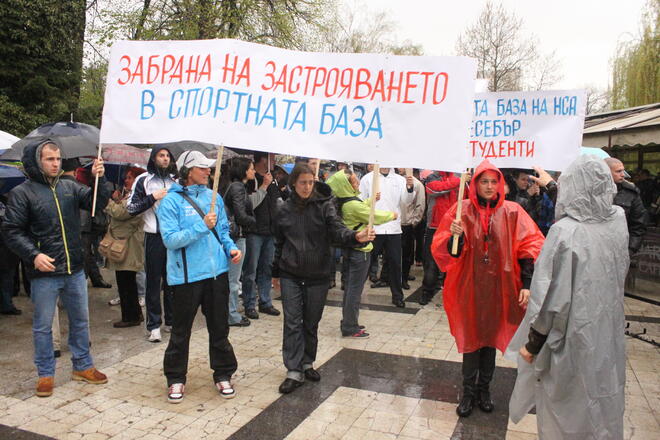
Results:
x,y
90,375
45,386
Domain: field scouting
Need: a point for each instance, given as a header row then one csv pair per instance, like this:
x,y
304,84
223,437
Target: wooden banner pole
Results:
x,y
459,206
375,189
96,184
216,177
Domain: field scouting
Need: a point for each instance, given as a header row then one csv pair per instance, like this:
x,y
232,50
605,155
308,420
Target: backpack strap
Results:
x,y
200,212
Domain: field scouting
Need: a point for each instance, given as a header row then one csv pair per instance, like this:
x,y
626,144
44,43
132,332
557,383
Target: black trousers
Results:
x,y
407,250
303,305
213,296
419,231
155,263
92,271
478,369
433,278
390,245
128,295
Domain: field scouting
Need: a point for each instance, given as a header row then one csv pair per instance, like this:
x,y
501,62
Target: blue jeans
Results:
x,y
72,289
235,284
260,250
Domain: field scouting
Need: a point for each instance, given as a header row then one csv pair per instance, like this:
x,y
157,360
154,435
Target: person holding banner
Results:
x,y
355,214
199,249
307,225
42,226
488,277
149,188
395,192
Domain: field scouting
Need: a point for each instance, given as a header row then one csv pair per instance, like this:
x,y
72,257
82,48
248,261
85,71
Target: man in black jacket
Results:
x,y
629,199
42,226
260,245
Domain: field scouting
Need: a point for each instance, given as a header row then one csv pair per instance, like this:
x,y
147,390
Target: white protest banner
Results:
x,y
523,129
406,111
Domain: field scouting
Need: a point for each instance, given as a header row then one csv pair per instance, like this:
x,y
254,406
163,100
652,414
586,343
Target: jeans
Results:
x,y
213,295
155,267
303,308
356,274
72,289
141,280
235,284
433,278
260,250
391,245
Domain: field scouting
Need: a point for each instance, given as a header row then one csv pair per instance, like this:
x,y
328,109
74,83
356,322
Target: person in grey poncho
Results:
x,y
570,346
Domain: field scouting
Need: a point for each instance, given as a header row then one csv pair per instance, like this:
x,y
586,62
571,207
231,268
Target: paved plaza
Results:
x,y
401,383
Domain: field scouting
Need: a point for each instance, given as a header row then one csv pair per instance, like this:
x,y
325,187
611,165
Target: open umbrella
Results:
x,y
75,138
9,178
6,141
121,153
594,152
177,148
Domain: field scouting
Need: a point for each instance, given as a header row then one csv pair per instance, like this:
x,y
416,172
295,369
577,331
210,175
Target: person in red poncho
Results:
x,y
487,284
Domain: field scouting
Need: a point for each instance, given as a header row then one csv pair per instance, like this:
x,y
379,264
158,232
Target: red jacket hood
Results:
x,y
482,168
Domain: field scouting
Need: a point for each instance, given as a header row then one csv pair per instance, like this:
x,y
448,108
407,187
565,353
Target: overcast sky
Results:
x,y
584,33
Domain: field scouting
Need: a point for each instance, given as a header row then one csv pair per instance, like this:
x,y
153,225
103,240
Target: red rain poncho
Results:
x,y
481,298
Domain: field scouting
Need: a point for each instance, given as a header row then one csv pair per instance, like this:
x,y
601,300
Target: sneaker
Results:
x,y
167,328
154,335
251,313
90,375
359,335
45,386
175,393
226,389
114,302
141,301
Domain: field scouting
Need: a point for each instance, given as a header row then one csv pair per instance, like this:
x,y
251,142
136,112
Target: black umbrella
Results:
x,y
177,148
76,140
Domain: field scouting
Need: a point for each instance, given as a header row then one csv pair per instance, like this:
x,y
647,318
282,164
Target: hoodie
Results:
x,y
484,281
355,213
43,216
142,199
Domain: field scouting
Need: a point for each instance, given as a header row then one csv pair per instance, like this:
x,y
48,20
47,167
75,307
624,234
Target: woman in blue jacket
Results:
x,y
198,252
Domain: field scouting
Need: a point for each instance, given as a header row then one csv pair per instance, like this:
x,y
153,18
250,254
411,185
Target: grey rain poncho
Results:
x,y
577,379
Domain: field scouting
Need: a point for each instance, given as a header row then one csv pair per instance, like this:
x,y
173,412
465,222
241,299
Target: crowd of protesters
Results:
x,y
267,227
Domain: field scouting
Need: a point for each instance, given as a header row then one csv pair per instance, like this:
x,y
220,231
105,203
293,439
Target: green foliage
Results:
x,y
636,67
41,47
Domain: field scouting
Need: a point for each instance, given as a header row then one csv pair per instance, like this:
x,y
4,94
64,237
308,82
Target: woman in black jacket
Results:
x,y
241,216
306,226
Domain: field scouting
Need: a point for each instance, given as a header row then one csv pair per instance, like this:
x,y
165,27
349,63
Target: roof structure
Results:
x,y
625,128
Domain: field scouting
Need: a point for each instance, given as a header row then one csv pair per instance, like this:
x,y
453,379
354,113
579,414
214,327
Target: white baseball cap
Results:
x,y
193,158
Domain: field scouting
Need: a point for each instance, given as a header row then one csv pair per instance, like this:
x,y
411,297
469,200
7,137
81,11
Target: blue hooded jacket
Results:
x,y
193,252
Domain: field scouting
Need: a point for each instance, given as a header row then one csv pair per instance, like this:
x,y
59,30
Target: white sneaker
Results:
x,y
175,393
141,301
226,389
114,301
167,328
154,336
